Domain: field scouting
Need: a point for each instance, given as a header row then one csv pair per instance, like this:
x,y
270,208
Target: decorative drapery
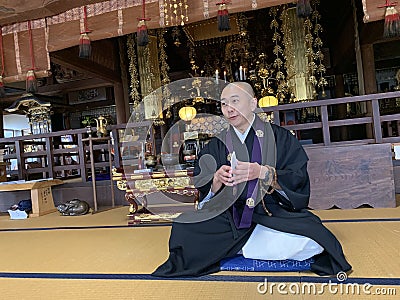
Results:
x,y
106,19
52,31
17,50
372,12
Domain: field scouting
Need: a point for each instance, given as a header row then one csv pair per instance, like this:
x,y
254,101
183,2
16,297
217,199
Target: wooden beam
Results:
x,y
72,61
90,83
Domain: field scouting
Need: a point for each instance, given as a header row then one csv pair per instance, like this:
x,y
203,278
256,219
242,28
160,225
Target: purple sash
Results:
x,y
252,188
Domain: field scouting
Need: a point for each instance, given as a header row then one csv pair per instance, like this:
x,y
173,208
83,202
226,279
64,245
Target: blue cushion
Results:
x,y
239,263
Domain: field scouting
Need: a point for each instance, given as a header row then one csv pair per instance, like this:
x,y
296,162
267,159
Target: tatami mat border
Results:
x,y
362,220
225,278
83,227
169,224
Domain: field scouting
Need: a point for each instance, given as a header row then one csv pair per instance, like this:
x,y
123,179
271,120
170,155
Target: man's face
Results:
x,y
237,105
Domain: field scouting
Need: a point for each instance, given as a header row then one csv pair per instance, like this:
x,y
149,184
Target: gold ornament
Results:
x,y
132,70
176,12
250,202
260,133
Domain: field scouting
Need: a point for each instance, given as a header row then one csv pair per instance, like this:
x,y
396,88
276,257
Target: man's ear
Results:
x,y
253,104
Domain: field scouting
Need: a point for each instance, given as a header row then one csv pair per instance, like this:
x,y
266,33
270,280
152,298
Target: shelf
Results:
x,y
66,150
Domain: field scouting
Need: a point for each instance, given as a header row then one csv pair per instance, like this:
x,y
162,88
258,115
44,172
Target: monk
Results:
x,y
254,192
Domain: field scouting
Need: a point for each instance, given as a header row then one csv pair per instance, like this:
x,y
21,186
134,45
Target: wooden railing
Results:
x,y
49,156
374,117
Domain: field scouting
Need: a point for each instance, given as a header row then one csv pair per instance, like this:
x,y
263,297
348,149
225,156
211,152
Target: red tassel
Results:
x,y
223,17
142,35
31,83
303,8
84,46
2,90
84,42
392,22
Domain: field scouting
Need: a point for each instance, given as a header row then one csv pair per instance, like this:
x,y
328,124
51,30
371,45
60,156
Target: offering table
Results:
x,y
139,186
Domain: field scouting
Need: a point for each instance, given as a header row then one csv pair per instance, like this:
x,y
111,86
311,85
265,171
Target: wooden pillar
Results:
x,y
1,124
368,61
368,58
121,106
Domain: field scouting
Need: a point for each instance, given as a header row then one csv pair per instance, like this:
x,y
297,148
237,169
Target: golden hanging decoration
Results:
x,y
176,12
132,70
164,68
278,51
319,56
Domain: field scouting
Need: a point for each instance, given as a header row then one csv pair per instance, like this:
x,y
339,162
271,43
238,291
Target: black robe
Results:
x,y
197,248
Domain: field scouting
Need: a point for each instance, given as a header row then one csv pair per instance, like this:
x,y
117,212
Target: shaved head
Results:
x,y
244,86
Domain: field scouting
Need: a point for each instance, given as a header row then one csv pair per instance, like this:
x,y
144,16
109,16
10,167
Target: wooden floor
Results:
x,y
98,256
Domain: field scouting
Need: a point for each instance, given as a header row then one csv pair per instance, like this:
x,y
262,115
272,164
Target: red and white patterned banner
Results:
x,y
76,14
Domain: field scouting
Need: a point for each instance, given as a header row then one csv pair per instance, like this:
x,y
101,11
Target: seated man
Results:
x,y
254,191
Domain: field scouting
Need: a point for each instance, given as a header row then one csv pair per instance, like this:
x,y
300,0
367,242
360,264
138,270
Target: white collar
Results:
x,y
242,136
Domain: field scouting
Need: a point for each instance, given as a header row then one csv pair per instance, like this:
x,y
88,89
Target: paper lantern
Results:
x,y
268,101
187,113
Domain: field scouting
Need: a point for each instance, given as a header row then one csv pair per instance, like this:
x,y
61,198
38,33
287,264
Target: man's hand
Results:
x,y
223,176
246,171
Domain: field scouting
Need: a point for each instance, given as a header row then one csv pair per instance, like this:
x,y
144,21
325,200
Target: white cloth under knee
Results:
x,y
269,244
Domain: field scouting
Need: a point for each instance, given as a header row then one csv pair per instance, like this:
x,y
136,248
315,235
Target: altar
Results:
x,y
164,191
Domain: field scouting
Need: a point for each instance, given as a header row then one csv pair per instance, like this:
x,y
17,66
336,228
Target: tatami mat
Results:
x,y
98,256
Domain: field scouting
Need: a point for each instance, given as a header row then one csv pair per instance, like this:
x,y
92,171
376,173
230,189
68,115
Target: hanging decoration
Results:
x,y
319,56
303,8
176,12
223,16
297,70
175,36
2,90
192,57
142,35
164,68
310,53
287,85
187,113
31,82
392,20
267,101
134,86
37,111
84,41
278,52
